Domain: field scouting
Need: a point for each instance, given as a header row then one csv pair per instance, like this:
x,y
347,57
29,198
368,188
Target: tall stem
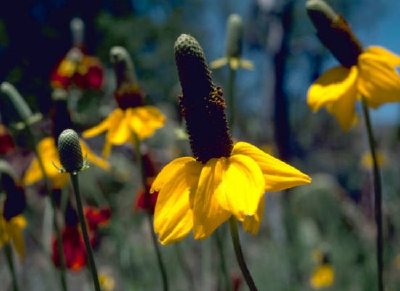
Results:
x,y
239,254
60,246
161,266
378,195
231,96
219,236
10,263
89,250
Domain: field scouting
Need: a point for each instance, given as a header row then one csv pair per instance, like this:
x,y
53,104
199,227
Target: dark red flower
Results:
x,y
96,218
145,200
78,69
6,141
74,249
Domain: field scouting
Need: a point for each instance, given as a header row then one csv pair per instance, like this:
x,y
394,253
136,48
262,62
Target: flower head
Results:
x,y
369,73
323,275
131,117
222,179
234,40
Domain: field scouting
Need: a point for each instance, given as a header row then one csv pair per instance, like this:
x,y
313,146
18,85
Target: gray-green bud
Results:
x,y
234,36
19,104
123,65
70,151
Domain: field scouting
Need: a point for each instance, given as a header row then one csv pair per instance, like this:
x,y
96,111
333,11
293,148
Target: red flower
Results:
x,y
74,249
145,200
95,218
78,69
6,141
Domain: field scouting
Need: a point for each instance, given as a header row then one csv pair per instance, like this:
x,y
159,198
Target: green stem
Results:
x,y
161,266
231,96
184,265
10,263
54,206
222,265
239,254
378,195
89,250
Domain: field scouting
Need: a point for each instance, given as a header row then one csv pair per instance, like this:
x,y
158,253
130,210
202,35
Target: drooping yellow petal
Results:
x,y
207,212
173,218
335,84
145,120
32,174
251,224
379,81
218,63
119,132
93,158
102,126
277,174
242,186
15,228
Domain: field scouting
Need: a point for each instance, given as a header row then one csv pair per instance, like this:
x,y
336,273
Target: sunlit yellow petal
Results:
x,y
173,218
334,84
32,174
145,120
218,63
251,224
118,132
15,229
207,212
93,158
277,174
104,125
323,276
243,186
379,81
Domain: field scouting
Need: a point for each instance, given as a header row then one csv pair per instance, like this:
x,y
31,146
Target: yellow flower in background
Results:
x,y
49,155
323,276
11,232
119,126
366,160
368,75
107,283
201,196
200,193
374,77
131,117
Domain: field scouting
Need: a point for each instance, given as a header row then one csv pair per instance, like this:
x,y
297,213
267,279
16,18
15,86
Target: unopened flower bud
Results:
x,y
334,32
123,65
19,104
77,27
70,151
234,37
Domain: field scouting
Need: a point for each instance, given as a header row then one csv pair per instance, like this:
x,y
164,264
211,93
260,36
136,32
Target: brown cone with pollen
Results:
x,y
202,103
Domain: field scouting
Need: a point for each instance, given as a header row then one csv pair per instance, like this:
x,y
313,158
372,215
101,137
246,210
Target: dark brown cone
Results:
x,y
202,103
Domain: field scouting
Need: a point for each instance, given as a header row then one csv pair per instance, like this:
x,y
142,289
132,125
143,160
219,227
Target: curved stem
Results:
x,y
378,195
239,254
59,241
11,267
89,250
222,265
161,266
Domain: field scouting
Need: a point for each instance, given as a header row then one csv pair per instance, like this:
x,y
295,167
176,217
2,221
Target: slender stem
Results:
x,y
161,266
239,254
89,251
378,196
59,241
10,263
222,265
231,96
158,253
185,266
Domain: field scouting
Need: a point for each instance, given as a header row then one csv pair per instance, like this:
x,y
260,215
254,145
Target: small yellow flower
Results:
x,y
366,160
49,155
374,77
11,232
323,276
107,283
120,124
369,74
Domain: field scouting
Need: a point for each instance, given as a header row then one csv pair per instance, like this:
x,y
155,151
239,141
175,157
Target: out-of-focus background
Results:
x,y
332,217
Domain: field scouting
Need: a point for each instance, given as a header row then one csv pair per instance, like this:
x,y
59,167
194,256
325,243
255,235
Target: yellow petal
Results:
x,y
118,130
219,63
102,126
333,85
379,80
15,229
173,218
246,64
93,158
251,224
32,174
207,212
242,186
323,276
145,120
277,174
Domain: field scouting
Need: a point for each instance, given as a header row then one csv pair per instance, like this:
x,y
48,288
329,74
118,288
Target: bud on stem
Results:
x,y
70,151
